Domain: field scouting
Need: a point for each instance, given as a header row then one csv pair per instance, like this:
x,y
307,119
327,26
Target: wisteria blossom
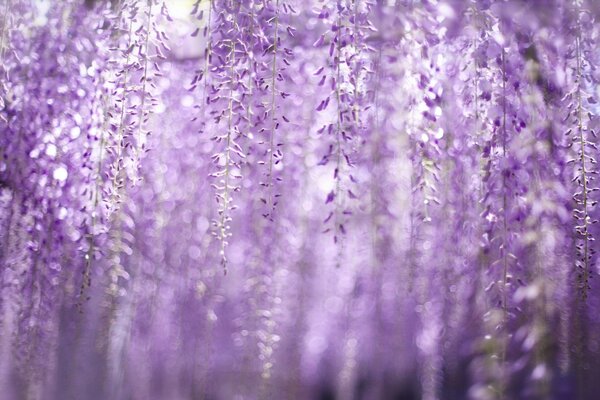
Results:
x,y
299,199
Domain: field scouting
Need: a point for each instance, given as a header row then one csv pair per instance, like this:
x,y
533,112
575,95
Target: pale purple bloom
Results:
x,y
271,199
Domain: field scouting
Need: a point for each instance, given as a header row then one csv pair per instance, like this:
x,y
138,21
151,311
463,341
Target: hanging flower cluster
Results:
x,y
299,199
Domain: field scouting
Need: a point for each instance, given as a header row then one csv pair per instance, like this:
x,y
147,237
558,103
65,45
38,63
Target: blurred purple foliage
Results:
x,y
299,199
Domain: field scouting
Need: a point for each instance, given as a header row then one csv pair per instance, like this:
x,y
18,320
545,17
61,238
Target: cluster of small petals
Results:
x,y
179,181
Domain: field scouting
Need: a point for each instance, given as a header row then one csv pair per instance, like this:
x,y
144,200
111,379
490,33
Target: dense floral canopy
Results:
x,y
299,199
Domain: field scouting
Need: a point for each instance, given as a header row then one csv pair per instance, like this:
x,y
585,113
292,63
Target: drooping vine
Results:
x,y
168,169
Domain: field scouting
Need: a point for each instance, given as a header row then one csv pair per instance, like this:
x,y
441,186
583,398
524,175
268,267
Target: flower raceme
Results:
x,y
304,199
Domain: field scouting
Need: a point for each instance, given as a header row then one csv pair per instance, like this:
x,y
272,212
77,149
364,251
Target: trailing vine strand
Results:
x,y
265,199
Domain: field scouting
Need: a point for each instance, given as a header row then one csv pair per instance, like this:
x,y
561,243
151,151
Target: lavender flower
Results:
x,y
172,174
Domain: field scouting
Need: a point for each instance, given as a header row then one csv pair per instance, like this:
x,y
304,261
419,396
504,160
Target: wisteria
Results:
x,y
299,199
